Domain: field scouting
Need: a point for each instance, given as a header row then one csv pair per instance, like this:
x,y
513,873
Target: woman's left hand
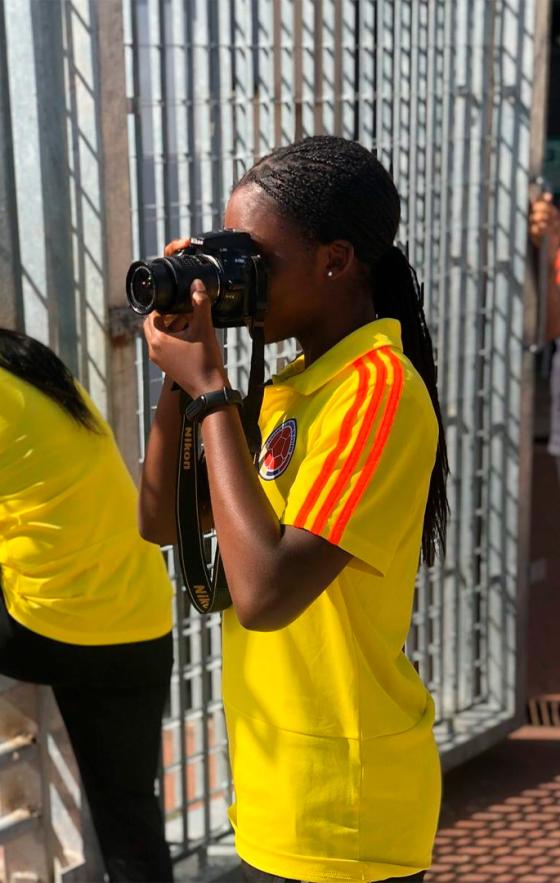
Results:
x,y
191,355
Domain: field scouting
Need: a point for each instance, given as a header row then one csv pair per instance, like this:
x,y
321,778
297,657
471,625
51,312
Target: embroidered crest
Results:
x,y
277,450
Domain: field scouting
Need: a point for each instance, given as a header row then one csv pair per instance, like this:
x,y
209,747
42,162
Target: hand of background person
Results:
x,y
185,347
544,220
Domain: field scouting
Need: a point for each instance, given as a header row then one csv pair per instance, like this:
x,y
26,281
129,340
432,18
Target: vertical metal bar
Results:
x,y
205,700
298,69
308,41
237,165
349,47
386,96
318,68
138,128
25,135
215,94
338,64
287,49
537,129
139,169
49,66
165,113
396,58
255,79
496,579
195,206
415,142
463,380
122,380
79,282
418,190
480,401
224,106
432,184
11,300
277,70
180,666
357,69
449,621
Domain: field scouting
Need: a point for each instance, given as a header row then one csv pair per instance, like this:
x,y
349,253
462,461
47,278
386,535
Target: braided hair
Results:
x,y
332,188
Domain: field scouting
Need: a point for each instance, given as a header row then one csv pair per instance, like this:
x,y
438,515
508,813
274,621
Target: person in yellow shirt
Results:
x,y
335,767
85,602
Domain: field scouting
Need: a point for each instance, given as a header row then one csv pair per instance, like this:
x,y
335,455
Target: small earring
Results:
x,y
329,273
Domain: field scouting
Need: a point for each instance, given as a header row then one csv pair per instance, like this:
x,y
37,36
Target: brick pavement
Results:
x,y
500,820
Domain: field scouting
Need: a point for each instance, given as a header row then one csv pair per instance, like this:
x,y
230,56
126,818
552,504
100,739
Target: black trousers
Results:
x,y
252,875
111,698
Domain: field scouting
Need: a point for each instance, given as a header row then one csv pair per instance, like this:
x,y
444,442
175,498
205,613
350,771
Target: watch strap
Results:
x,y
210,401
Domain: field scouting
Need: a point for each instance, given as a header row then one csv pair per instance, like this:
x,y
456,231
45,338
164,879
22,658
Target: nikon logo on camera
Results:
x,y
202,596
187,448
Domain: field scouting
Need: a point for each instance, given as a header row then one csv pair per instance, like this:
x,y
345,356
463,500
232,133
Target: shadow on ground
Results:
x,y
500,820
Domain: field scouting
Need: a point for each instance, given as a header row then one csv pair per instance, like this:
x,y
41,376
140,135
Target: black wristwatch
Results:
x,y
210,401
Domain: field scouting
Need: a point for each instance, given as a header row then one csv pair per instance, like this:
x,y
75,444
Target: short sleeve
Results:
x,y
365,476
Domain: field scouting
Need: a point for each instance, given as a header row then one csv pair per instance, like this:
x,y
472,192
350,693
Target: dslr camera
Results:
x,y
227,262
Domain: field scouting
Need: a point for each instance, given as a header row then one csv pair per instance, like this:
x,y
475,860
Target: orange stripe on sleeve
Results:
x,y
375,454
343,439
346,472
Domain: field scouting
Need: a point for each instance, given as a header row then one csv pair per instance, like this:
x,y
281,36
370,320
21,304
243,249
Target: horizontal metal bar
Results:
x,y
17,822
12,749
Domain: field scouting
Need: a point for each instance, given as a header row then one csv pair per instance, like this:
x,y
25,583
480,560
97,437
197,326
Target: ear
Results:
x,y
337,258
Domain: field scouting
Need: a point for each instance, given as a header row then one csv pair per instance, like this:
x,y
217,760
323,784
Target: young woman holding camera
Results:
x,y
335,767
85,603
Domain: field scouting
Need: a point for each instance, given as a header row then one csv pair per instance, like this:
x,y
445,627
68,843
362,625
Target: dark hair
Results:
x,y
32,361
331,189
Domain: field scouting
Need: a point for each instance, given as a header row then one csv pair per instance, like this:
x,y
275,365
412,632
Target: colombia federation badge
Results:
x,y
277,450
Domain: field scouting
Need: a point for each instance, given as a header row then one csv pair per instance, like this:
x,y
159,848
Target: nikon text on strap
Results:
x,y
206,582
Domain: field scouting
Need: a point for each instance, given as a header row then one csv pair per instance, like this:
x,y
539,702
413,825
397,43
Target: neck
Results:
x,y
335,326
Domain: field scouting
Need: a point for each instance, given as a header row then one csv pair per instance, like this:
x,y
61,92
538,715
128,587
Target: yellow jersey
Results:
x,y
335,767
73,565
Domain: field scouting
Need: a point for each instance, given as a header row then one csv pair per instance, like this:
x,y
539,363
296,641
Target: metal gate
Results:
x,y
443,91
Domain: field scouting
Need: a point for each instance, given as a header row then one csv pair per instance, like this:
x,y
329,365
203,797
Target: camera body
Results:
x,y
227,262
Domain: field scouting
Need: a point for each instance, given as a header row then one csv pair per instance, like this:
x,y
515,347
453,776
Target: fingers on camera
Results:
x,y
176,245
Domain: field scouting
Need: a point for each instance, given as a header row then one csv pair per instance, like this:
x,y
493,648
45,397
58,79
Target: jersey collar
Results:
x,y
382,332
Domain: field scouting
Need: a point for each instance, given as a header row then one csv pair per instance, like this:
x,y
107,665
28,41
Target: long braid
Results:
x,y
393,273
336,189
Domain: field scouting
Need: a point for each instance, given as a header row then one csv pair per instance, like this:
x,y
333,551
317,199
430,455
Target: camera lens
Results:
x,y
151,285
142,289
164,284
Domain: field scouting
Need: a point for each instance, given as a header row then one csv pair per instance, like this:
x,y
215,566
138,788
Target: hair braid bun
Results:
x,y
332,188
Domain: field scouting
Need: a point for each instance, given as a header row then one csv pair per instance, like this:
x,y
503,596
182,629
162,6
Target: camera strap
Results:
x,y
205,583
253,400
205,580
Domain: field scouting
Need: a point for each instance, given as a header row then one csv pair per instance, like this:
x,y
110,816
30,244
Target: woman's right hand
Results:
x,y
174,322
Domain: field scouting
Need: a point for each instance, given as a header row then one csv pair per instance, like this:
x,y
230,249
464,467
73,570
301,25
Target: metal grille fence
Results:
x,y
442,91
